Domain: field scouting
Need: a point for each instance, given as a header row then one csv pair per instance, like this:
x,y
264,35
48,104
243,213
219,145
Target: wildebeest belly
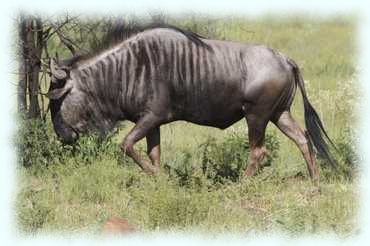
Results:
x,y
219,105
222,121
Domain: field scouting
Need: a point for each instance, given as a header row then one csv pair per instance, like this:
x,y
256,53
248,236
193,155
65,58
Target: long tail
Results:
x,y
316,132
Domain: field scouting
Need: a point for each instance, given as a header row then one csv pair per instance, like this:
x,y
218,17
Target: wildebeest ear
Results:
x,y
58,93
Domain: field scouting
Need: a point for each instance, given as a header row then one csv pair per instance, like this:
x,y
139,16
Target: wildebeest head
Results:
x,y
60,86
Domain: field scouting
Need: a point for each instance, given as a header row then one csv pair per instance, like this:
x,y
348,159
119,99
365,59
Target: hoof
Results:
x,y
316,190
151,170
250,172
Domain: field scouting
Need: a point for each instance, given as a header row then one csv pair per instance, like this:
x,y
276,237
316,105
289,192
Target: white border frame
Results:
x,y
9,11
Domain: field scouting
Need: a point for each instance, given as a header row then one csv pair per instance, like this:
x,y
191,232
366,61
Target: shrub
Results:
x,y
346,156
228,159
218,162
93,147
33,212
182,168
38,146
35,145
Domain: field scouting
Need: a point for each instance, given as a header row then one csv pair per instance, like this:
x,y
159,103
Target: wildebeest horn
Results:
x,y
56,71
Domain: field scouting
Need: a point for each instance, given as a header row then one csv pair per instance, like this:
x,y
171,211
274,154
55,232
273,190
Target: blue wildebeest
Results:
x,y
166,74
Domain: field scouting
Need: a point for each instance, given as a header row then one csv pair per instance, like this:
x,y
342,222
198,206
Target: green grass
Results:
x,y
73,193
83,198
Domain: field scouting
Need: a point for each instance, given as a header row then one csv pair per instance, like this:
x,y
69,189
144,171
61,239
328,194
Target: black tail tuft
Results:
x,y
316,131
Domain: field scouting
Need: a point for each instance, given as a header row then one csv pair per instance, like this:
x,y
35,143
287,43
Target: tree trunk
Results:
x,y
35,65
31,32
22,84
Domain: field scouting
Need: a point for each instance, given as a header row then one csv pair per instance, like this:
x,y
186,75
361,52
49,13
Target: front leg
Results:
x,y
153,140
143,127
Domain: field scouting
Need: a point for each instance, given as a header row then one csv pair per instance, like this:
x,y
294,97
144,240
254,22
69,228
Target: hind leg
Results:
x,y
256,135
153,146
290,128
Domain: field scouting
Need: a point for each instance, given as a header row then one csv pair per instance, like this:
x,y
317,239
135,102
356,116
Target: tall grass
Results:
x,y
200,186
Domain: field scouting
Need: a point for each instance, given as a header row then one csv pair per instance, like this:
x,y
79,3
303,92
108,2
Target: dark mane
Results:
x,y
194,37
120,32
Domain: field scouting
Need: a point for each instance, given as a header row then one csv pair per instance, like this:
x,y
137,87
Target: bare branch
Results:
x,y
56,29
66,41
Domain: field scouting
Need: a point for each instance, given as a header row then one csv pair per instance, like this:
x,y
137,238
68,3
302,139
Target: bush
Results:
x,y
38,147
32,213
228,159
93,147
346,156
218,162
182,168
35,145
